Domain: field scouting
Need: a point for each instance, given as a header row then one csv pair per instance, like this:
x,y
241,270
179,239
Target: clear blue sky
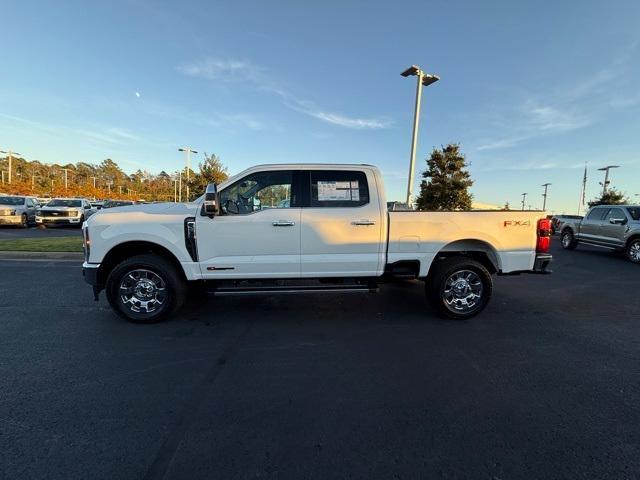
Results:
x,y
531,90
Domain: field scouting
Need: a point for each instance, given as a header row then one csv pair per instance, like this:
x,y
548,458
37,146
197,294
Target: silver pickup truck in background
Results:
x,y
616,227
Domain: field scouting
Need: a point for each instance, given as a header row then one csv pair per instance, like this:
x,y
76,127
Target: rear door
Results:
x,y
342,225
613,227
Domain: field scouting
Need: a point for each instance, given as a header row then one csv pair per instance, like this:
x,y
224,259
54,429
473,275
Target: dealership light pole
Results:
x,y
10,155
606,177
187,153
544,196
424,79
524,198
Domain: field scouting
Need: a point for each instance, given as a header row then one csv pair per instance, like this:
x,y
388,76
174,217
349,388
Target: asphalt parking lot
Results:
x,y
544,384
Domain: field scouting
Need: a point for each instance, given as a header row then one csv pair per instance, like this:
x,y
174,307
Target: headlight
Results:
x,y
78,213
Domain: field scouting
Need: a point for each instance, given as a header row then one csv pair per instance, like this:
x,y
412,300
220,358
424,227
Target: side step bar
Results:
x,y
278,289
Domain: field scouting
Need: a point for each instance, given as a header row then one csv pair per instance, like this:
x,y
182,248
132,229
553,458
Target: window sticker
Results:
x,y
329,191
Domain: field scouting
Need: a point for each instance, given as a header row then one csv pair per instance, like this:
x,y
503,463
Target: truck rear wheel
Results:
x,y
145,289
567,240
459,287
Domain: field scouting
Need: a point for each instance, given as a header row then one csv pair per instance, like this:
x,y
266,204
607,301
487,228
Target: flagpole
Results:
x,y
583,190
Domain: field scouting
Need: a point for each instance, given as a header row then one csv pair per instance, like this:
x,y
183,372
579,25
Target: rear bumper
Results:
x,y
542,263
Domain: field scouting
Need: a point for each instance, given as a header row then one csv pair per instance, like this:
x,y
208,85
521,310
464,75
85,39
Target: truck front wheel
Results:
x,y
459,287
145,289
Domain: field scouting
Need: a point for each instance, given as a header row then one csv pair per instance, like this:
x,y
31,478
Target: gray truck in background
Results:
x,y
616,227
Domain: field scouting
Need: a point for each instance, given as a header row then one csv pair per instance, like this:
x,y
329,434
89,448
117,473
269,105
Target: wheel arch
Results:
x,y
475,249
129,249
635,236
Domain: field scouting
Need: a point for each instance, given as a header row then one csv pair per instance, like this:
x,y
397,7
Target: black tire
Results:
x,y
81,221
633,250
478,280
172,298
567,240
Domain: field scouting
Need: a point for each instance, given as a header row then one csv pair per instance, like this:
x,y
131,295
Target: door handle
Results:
x,y
283,223
363,222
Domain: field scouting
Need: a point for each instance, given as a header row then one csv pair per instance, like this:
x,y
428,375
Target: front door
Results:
x,y
257,232
613,227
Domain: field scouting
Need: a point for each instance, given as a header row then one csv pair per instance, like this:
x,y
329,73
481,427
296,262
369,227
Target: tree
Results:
x,y
445,182
610,197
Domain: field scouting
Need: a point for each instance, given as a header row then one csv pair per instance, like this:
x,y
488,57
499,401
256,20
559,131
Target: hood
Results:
x,y
143,212
47,207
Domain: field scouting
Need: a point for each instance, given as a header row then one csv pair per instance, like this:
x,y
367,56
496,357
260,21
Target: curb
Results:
x,y
78,256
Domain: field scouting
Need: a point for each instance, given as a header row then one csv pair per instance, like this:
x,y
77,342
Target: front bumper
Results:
x,y
90,273
10,219
58,220
542,263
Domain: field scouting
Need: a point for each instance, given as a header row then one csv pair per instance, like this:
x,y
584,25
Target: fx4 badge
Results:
x,y
517,223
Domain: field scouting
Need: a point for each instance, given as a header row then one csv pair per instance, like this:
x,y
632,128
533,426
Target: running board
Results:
x,y
296,289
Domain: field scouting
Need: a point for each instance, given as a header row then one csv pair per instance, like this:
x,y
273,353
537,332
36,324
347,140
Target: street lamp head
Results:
x,y
412,70
608,167
546,184
428,79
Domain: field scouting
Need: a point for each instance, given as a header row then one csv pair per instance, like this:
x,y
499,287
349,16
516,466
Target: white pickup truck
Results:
x,y
303,228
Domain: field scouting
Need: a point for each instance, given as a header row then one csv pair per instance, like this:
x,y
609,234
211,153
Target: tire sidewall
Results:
x,y
160,268
631,244
570,243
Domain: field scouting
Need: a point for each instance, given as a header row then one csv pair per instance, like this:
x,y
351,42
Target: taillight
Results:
x,y
544,235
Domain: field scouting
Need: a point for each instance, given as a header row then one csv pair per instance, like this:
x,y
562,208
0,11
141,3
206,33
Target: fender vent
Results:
x,y
190,239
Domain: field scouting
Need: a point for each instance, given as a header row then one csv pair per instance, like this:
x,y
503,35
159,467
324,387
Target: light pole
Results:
x,y
606,177
544,196
424,79
187,153
10,154
94,182
524,198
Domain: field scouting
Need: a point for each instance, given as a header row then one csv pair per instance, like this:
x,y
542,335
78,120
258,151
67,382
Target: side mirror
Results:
x,y
210,207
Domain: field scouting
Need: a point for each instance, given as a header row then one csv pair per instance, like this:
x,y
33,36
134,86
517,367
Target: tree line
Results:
x,y
107,180
445,184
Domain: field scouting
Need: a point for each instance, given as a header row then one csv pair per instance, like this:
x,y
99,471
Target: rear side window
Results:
x,y
597,214
616,213
338,188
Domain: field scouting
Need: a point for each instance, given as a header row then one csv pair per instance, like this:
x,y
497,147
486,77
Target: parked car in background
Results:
x,y
616,227
65,211
557,221
97,204
18,210
43,200
117,203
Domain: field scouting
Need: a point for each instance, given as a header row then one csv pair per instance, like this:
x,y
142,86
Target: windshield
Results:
x,y
61,202
11,200
116,203
634,212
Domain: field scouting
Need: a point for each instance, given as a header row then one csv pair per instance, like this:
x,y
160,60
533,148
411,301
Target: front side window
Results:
x,y
634,212
339,188
257,191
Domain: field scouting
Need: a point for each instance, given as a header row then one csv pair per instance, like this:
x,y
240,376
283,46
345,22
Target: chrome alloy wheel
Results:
x,y
634,251
462,291
142,291
566,239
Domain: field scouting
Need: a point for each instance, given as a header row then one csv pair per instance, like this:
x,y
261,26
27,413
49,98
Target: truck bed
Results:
x,y
507,237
